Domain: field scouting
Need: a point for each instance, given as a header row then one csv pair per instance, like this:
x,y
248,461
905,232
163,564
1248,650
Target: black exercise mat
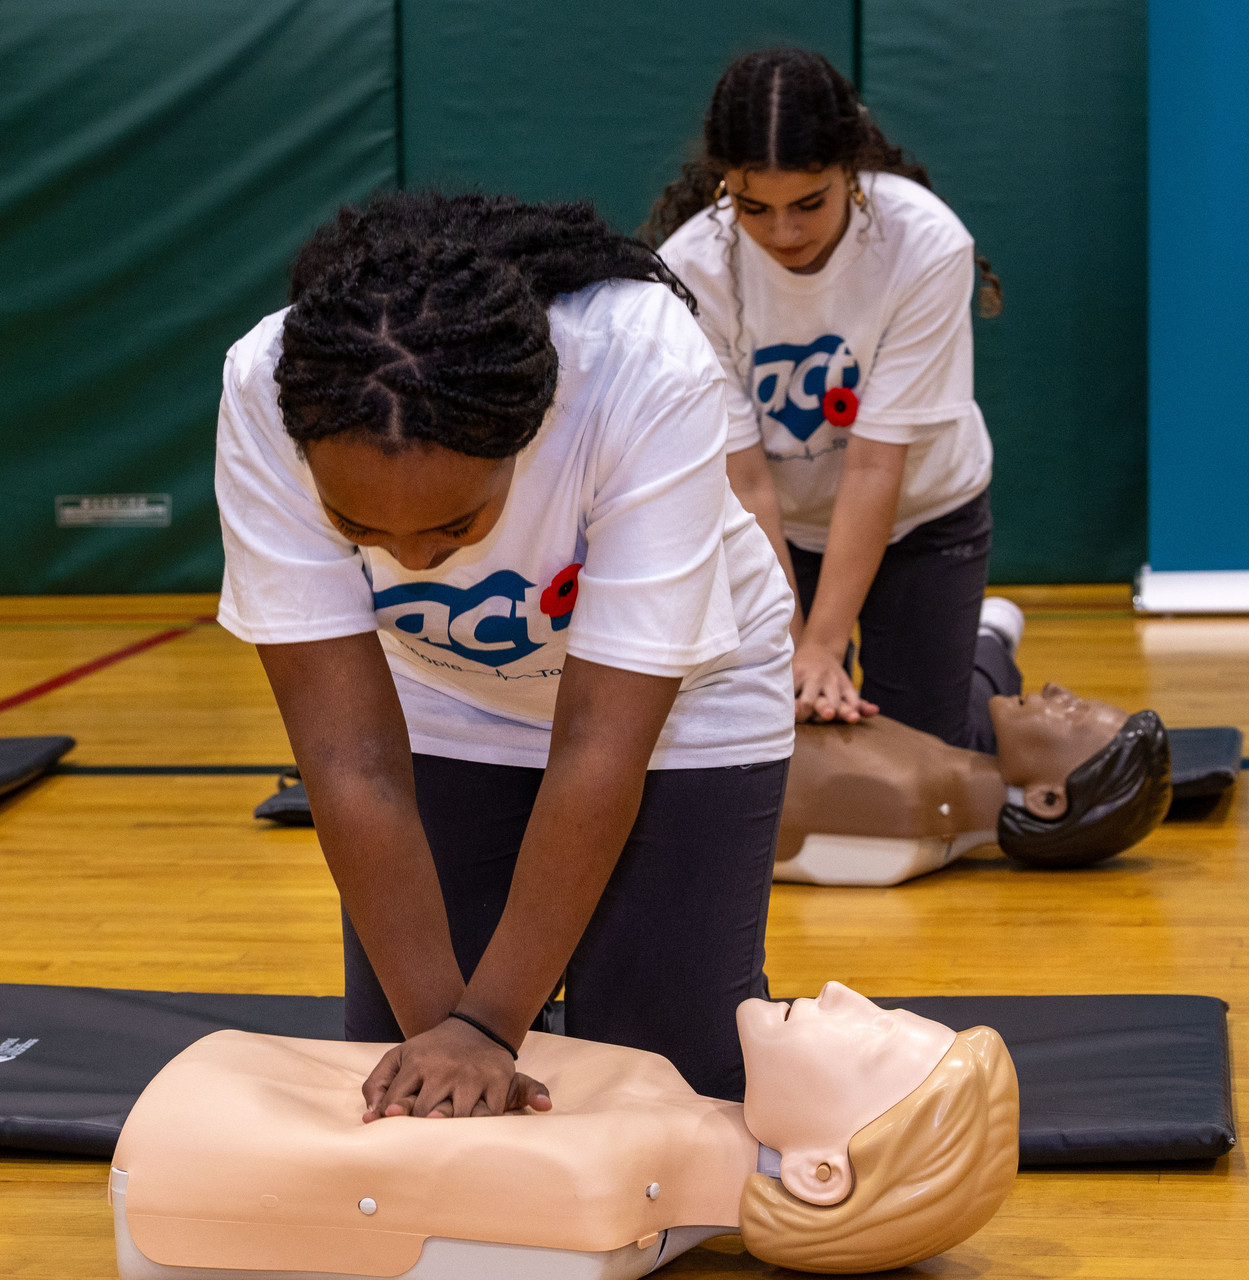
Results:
x,y
1105,1079
95,1049
1102,1078
22,760
287,807
1204,762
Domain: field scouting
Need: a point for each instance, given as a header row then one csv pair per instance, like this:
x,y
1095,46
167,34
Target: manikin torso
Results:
x,y
883,778
878,802
248,1151
278,1120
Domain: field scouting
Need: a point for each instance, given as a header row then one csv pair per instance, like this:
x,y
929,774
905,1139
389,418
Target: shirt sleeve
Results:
x,y
654,594
716,322
921,377
289,574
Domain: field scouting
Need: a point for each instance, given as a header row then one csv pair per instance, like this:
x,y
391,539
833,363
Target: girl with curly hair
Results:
x,y
834,286
531,654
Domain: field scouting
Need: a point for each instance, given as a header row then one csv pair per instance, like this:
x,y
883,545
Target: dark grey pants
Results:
x,y
676,942
923,662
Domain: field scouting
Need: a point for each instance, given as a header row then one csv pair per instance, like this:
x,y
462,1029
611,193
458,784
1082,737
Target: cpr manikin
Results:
x,y
1074,781
869,1139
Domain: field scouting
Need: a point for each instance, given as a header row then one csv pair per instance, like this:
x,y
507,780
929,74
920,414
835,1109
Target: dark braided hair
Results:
x,y
423,317
787,109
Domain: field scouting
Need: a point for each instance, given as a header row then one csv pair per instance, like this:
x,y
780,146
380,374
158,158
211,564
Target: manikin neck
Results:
x,y
986,792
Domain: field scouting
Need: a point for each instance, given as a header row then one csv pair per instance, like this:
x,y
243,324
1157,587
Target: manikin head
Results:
x,y
1085,779
897,1137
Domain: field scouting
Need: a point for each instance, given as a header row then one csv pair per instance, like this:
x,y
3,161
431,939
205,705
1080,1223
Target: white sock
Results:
x,y
1003,618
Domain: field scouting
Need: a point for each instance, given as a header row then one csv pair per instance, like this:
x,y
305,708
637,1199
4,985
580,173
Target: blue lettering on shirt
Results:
x,y
790,381
478,623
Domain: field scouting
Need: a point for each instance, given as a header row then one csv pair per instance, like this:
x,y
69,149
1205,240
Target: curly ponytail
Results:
x,y
421,317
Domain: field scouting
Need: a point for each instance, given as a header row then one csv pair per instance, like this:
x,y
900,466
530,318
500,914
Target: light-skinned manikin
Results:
x,y
868,1139
877,802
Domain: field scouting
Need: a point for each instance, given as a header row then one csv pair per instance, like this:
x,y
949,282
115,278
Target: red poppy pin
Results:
x,y
558,599
841,406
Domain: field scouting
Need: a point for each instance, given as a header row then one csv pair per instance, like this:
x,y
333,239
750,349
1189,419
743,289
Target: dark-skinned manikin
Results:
x,y
1074,781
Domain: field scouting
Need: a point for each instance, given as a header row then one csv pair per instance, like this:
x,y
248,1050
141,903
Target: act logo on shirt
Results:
x,y
791,382
488,622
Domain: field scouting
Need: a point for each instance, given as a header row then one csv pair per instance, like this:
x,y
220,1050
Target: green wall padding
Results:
x,y
568,99
162,161
1031,118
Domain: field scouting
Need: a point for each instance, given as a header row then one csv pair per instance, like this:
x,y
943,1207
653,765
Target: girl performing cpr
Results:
x,y
531,653
834,287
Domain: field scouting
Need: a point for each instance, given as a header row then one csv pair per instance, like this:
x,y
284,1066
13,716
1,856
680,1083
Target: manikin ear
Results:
x,y
801,1176
1045,799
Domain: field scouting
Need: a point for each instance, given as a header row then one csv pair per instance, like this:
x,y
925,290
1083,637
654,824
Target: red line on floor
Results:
x,y
96,664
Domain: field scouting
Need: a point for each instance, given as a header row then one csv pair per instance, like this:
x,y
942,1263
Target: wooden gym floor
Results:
x,y
168,882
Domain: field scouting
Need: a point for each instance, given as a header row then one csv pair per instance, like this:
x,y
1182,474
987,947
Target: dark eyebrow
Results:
x,y
438,528
742,195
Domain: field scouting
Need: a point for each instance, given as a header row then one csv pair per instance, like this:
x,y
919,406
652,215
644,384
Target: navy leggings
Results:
x,y
676,942
923,661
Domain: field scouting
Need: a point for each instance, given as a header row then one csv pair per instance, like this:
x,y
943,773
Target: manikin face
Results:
x,y
818,1071
420,504
796,216
1043,737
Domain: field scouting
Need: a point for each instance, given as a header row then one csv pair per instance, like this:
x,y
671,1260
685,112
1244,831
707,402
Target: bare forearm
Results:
x,y
375,847
752,485
859,532
850,562
347,729
606,724
579,825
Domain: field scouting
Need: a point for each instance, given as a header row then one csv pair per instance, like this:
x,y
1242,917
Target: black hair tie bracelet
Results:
x,y
485,1031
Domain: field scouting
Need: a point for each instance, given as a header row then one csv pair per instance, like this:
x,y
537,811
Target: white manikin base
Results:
x,y
440,1259
873,860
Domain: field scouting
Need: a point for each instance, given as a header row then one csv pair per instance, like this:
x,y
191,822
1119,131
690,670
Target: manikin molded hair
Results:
x,y
423,317
1114,799
928,1173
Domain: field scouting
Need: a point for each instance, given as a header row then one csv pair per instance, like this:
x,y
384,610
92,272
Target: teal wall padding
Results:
x,y
162,161
1199,285
568,100
1032,120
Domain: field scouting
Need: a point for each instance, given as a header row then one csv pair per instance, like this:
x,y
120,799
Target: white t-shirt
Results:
x,y
887,317
625,478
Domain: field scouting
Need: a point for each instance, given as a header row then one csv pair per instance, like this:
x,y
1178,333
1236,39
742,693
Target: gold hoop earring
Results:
x,y
856,191
720,192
